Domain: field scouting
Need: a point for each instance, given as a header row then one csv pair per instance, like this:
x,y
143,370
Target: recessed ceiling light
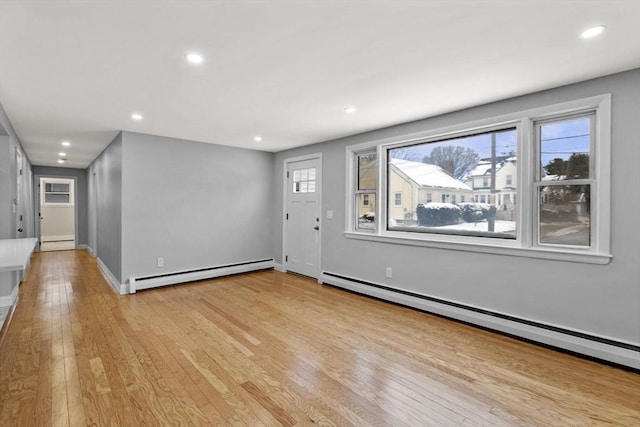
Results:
x,y
60,161
593,32
257,138
136,116
61,154
350,109
66,143
194,58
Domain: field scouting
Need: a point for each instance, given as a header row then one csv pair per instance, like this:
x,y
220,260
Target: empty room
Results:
x,y
335,213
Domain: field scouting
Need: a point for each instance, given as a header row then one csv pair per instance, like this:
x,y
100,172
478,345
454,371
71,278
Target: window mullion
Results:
x,y
528,160
382,207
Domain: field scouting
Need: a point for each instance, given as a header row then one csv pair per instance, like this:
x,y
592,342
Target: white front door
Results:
x,y
302,216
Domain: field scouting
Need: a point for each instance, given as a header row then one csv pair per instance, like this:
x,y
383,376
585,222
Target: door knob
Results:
x,y
317,227
19,230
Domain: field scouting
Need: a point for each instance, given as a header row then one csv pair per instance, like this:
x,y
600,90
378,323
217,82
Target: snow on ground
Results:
x,y
500,226
481,226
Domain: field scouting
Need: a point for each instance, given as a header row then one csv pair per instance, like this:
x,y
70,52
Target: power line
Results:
x,y
564,137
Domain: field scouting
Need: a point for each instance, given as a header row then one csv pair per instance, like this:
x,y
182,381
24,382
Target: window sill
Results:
x,y
488,248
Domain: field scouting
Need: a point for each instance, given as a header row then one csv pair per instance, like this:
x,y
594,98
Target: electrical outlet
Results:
x,y
160,262
389,272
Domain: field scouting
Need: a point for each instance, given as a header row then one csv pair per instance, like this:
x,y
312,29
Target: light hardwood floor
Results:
x,y
275,349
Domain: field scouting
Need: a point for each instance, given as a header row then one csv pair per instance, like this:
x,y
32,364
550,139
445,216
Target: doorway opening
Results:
x,y
57,214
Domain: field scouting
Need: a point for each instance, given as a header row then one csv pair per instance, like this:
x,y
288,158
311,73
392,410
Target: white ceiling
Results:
x,y
285,70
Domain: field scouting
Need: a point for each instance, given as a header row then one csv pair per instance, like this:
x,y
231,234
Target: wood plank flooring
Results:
x,y
275,349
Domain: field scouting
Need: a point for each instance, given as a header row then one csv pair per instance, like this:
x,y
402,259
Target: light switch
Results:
x,y
329,214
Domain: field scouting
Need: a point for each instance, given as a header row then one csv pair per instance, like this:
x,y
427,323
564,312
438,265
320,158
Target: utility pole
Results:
x,y
492,197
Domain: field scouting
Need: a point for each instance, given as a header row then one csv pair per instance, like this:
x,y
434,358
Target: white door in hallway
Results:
x,y
302,216
57,214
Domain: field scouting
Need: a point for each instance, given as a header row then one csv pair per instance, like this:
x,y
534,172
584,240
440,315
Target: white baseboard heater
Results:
x,y
604,349
147,282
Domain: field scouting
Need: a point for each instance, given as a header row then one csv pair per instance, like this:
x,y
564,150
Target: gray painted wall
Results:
x,y
194,204
81,196
601,300
9,142
105,180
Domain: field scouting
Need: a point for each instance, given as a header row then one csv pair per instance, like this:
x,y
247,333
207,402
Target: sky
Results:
x,y
561,139
481,144
558,140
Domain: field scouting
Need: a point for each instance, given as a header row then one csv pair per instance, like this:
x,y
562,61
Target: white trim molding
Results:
x,y
120,288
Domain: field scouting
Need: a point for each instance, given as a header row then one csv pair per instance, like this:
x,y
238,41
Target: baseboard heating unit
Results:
x,y
605,349
147,282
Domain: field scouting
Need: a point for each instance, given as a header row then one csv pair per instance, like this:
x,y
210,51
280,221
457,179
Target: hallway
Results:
x,y
269,348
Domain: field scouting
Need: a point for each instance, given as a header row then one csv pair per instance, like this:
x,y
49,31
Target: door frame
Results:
x,y
38,211
285,204
92,217
20,202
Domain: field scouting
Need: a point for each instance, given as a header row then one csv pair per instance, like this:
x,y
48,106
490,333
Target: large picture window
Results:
x,y
534,183
451,170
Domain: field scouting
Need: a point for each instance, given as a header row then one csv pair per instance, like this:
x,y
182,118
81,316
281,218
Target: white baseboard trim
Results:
x,y
120,288
57,246
83,247
9,300
279,267
140,283
603,348
62,237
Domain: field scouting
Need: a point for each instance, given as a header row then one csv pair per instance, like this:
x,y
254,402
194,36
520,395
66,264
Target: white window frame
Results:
x,y
525,243
590,181
67,181
352,170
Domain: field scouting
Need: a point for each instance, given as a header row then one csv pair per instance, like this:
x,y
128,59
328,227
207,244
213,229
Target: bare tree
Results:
x,y
405,153
456,160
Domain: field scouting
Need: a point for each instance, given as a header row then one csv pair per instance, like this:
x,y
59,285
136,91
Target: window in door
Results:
x,y
304,180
